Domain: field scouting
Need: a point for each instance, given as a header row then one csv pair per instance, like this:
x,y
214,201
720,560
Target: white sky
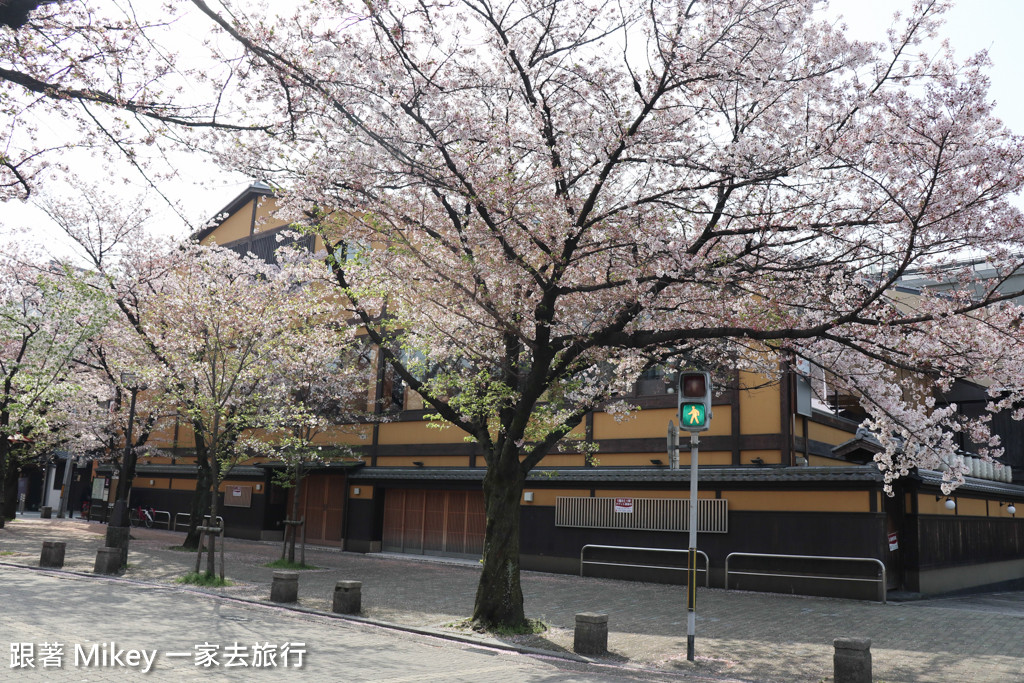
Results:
x,y
972,25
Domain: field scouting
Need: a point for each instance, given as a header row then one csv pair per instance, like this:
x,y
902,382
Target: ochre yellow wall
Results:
x,y
970,507
427,460
769,457
819,461
627,459
620,493
759,408
927,505
142,482
703,457
418,432
561,460
647,424
365,492
965,507
235,227
163,432
799,501
640,425
349,435
186,437
826,434
549,496
264,221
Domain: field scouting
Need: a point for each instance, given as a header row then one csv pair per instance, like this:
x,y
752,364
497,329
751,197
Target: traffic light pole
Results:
x,y
691,574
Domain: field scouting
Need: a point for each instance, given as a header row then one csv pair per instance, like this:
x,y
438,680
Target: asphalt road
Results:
x,y
110,630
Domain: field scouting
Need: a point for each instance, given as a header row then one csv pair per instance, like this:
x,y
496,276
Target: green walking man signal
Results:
x,y
694,399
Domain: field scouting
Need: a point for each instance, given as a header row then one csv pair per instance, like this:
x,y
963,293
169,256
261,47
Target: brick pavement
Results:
x,y
740,635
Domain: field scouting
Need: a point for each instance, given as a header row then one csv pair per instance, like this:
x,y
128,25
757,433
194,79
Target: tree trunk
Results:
x,y
200,503
211,543
499,596
9,506
295,513
5,463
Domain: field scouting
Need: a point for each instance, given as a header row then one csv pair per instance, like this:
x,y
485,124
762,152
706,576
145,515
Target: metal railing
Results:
x,y
707,563
167,523
880,580
186,515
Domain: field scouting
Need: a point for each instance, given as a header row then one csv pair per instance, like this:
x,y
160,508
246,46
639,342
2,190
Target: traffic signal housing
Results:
x,y
694,401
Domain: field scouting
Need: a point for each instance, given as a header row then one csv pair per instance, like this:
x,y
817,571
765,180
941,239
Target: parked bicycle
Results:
x,y
140,516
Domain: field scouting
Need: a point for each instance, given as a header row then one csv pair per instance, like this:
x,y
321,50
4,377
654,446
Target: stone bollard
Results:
x,y
108,561
852,660
285,587
52,554
45,512
591,635
348,597
119,537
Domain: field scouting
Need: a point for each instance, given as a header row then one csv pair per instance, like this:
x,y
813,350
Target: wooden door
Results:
x,y
434,522
322,503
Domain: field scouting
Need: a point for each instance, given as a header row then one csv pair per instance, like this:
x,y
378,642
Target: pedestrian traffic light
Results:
x,y
694,401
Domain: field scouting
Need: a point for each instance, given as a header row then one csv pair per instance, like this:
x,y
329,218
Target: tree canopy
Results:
x,y
529,202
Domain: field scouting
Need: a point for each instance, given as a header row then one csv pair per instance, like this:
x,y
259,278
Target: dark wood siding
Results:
x,y
434,522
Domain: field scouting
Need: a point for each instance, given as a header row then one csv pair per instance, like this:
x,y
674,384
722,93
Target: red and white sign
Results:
x,y
237,491
624,505
893,541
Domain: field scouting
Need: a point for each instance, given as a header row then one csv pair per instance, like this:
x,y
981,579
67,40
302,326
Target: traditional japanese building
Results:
x,y
780,475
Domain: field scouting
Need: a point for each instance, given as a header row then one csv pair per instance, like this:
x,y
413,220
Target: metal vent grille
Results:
x,y
649,514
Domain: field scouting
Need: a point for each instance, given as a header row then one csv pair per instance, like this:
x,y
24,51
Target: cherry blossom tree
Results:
x,y
562,193
121,81
127,267
227,328
250,354
47,317
321,404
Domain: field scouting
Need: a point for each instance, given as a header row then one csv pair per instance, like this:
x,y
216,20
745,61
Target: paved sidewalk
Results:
x,y
740,635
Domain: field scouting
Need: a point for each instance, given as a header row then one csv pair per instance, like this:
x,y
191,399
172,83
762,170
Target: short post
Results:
x,y
45,512
52,554
119,537
591,634
285,586
852,660
348,597
108,561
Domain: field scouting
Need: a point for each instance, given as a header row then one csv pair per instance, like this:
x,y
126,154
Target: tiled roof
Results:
x,y
934,478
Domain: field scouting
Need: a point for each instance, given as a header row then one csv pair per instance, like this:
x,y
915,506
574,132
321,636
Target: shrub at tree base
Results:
x,y
203,579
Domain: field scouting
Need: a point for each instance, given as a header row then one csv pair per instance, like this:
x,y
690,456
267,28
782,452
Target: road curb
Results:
x,y
366,621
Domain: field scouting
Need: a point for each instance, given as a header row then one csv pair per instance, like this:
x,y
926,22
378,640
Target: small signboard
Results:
x,y
99,488
238,496
623,505
893,541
